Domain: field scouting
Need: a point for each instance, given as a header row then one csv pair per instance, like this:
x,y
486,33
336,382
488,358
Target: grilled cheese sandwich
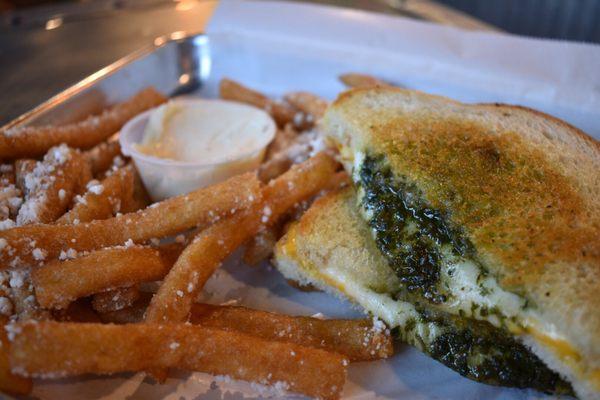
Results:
x,y
486,219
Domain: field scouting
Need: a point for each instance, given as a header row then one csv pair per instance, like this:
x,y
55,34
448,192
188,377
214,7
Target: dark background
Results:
x,y
560,19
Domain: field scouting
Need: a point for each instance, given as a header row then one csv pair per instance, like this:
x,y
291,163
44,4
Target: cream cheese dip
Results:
x,y
186,144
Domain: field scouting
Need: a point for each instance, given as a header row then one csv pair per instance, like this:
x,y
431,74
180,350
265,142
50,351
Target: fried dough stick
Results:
x,y
101,156
357,339
116,299
22,296
7,174
22,168
309,103
10,195
361,80
67,349
58,283
9,382
35,141
130,315
274,167
231,90
168,217
204,255
100,202
261,246
197,263
284,138
103,199
52,184
141,198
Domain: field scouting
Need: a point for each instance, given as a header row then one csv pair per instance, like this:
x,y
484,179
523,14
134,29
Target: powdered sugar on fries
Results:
x,y
39,181
111,259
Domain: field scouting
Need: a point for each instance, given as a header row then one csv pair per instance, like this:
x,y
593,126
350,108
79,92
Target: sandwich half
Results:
x,y
331,248
475,232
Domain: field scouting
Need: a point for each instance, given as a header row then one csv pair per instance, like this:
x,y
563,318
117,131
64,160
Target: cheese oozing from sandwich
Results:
x,y
487,213
331,248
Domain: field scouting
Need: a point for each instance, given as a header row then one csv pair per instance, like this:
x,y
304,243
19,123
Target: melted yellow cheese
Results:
x,y
560,347
568,355
594,378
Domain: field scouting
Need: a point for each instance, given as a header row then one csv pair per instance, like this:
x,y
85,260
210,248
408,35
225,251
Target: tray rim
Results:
x,y
103,73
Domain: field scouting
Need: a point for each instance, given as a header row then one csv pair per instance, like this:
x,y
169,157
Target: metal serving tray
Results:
x,y
274,63
173,65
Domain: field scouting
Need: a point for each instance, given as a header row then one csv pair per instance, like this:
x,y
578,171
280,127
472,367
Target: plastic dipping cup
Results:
x,y
166,178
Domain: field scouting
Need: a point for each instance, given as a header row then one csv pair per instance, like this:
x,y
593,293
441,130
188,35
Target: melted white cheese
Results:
x,y
473,291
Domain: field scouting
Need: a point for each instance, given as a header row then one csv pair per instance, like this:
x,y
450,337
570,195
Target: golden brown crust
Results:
x,y
487,182
593,142
524,186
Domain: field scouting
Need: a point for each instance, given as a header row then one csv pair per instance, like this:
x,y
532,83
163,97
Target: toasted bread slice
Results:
x,y
331,248
512,195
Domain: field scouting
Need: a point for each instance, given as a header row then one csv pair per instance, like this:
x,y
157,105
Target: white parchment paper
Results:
x,y
557,77
276,47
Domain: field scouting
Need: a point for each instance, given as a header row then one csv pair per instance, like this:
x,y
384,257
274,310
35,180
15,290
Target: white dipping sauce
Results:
x,y
187,144
205,131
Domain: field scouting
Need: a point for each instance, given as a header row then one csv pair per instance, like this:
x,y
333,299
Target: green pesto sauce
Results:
x,y
410,235
407,231
479,351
